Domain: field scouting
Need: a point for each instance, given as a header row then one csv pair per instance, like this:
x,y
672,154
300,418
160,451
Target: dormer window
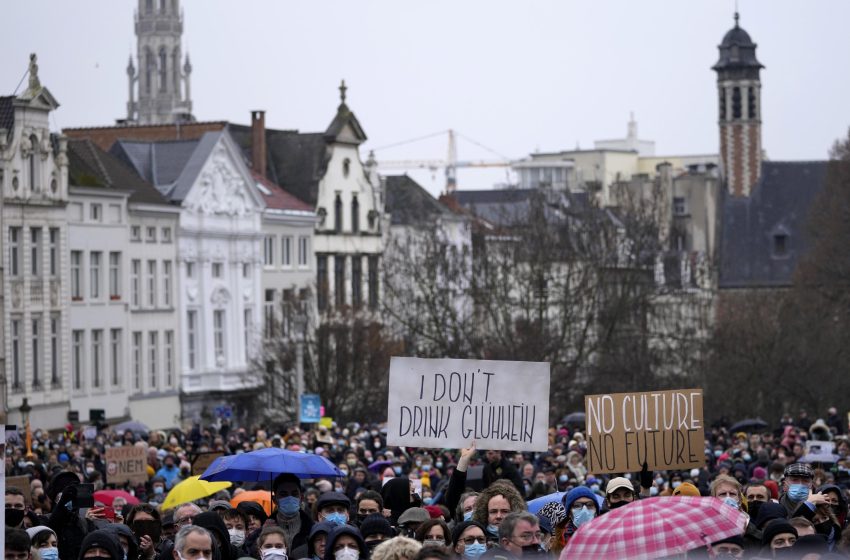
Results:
x,y
780,245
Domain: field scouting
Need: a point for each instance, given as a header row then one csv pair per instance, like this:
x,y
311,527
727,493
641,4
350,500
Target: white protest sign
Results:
x,y
448,403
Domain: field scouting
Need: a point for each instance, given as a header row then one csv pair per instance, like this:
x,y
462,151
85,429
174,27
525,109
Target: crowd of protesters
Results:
x,y
414,504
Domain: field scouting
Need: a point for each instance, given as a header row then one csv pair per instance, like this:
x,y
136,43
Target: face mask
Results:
x,y
694,473
344,472
753,509
49,553
532,550
370,546
718,452
418,463
158,490
798,492
289,506
467,516
824,528
433,542
746,457
273,554
493,529
428,501
439,464
732,502
347,554
582,516
474,550
397,470
426,468
351,462
563,478
336,518
237,537
377,443
621,503
653,491
659,481
14,517
89,471
173,441
594,487
676,483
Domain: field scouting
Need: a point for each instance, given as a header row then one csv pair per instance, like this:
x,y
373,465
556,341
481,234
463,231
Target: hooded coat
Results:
x,y
323,527
133,544
336,532
212,522
102,539
396,495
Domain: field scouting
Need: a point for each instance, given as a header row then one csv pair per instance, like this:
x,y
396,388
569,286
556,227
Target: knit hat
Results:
x,y
686,489
811,544
803,470
734,539
579,492
458,529
333,499
773,487
759,473
768,512
554,512
776,527
434,511
105,540
33,531
376,524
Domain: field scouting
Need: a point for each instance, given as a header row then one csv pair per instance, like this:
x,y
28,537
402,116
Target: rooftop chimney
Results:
x,y
258,142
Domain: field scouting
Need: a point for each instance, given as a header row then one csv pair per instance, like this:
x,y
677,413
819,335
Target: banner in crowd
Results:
x,y
126,464
448,403
663,428
201,461
311,409
22,483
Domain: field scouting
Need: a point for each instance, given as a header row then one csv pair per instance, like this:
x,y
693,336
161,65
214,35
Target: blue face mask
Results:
x,y
582,516
467,516
428,501
289,506
563,478
493,529
397,470
731,502
717,453
49,553
474,550
336,518
798,492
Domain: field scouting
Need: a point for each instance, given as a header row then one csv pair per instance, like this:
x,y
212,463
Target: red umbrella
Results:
x,y
655,528
108,496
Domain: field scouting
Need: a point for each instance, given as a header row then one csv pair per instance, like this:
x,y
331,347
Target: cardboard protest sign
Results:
x,y
663,428
201,461
126,464
448,403
22,483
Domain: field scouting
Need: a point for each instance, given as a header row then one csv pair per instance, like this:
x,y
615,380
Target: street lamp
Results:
x,y
25,415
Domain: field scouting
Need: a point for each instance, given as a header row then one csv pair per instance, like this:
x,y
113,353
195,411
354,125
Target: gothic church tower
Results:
x,y
159,90
739,89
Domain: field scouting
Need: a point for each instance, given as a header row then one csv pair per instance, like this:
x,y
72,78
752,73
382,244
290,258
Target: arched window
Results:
x,y
32,164
150,66
338,214
355,215
163,70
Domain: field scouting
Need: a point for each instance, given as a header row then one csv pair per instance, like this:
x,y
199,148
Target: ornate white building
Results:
x,y
220,262
159,90
34,182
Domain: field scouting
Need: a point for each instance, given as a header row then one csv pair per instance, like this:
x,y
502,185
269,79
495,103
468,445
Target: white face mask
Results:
x,y
237,537
274,554
347,554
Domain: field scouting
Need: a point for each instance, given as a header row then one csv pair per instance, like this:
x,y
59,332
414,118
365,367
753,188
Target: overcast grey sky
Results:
x,y
517,76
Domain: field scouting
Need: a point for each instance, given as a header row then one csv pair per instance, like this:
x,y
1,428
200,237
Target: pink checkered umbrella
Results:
x,y
655,528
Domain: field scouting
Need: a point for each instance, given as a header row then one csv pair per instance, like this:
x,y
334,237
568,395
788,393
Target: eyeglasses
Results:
x,y
578,505
526,537
184,520
472,540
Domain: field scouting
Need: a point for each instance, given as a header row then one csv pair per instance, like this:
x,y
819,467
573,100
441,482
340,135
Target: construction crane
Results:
x,y
450,164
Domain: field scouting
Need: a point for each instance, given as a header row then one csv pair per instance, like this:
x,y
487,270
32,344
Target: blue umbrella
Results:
x,y
537,503
266,464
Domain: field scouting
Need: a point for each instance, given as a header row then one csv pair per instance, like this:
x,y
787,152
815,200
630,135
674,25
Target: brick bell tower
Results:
x,y
739,91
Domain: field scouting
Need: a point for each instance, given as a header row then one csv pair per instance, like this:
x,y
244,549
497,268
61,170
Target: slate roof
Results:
x,y
160,163
737,50
89,166
507,207
778,206
279,199
295,161
408,203
7,113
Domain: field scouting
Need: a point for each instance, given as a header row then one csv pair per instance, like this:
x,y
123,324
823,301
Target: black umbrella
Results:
x,y
749,425
573,419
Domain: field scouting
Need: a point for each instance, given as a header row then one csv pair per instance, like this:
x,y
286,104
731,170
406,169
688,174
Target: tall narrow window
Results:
x,y
303,250
16,354
114,275
115,356
286,251
94,276
151,284
136,282
166,283
338,214
268,314
96,357
150,68
76,275
218,332
163,69
33,165
339,280
14,251
36,353
268,251
191,337
35,251
217,270
736,102
169,359
356,280
190,269
373,282
54,251
137,361
54,351
153,363
355,214
77,363
322,282
249,329
751,103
